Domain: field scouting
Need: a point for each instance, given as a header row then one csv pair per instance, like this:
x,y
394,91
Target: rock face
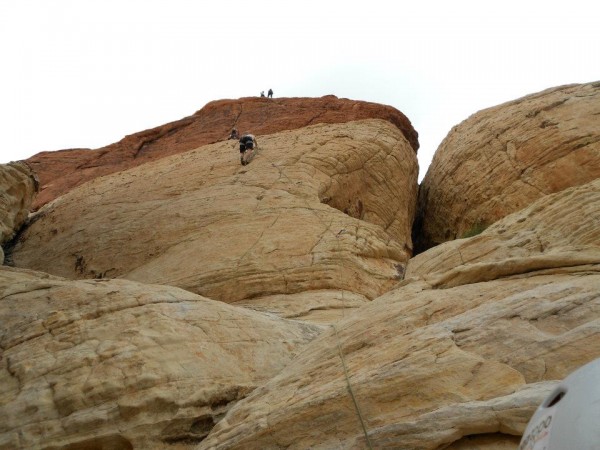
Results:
x,y
60,171
556,232
503,158
444,361
18,187
115,364
107,344
328,207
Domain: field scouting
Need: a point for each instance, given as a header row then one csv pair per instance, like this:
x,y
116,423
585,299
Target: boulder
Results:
x,y
328,207
503,158
120,365
60,171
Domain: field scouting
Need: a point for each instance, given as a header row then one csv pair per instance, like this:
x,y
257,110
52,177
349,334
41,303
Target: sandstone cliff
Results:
x,y
328,207
503,158
115,339
18,187
115,364
444,361
61,171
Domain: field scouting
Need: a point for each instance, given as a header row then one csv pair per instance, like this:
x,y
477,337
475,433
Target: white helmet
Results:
x,y
569,418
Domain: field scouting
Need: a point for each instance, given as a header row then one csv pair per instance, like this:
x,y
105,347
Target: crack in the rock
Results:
x,y
553,105
257,240
165,130
37,288
13,373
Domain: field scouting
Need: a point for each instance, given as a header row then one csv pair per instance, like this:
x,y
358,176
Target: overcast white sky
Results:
x,y
85,73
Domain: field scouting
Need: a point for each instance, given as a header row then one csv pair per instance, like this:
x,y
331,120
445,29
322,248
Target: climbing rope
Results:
x,y
349,385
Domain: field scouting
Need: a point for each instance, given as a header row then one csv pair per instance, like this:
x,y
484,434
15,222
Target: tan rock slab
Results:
x,y
503,158
320,307
428,368
327,207
459,355
557,233
117,364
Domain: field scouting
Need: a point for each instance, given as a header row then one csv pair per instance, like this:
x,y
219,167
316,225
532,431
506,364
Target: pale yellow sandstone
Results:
x,y
428,367
117,364
319,307
327,207
558,233
503,158
316,229
459,355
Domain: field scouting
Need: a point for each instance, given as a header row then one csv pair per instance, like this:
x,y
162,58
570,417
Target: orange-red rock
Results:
x,y
60,171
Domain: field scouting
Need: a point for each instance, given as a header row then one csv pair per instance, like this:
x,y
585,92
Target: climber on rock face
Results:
x,y
247,143
233,134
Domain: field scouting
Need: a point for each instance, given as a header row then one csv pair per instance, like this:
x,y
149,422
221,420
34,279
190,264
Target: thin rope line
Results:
x,y
351,391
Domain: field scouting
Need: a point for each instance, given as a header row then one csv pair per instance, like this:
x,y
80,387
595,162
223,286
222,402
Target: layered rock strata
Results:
x,y
503,158
452,349
328,207
60,171
555,233
120,365
433,364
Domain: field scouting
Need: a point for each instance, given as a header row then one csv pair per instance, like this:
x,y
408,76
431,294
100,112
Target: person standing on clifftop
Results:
x,y
262,93
270,93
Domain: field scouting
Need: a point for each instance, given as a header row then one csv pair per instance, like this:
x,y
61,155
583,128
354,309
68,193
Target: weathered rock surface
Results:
x,y
120,365
427,368
558,232
503,158
319,306
327,207
445,361
60,171
317,228
18,187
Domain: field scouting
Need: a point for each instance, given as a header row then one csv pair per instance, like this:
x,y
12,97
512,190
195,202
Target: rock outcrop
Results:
x,y
120,365
328,207
556,233
432,364
18,187
111,336
503,158
60,171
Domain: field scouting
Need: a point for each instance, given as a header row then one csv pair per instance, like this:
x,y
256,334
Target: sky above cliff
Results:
x,y
87,73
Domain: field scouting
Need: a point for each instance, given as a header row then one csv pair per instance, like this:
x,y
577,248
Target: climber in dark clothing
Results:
x,y
270,93
247,142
